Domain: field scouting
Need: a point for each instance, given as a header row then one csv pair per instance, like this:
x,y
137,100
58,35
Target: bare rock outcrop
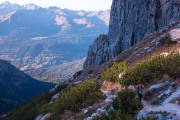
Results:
x,y
130,22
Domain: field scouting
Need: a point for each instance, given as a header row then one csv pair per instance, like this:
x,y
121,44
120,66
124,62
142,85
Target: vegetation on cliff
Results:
x,y
77,97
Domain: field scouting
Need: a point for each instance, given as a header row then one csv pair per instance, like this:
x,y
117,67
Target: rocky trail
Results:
x,y
104,105
166,110
166,93
110,91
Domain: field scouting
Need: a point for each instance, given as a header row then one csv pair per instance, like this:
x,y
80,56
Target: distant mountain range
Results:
x,y
16,86
32,37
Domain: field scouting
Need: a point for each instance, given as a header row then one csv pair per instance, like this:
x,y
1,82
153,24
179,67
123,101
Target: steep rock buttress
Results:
x,y
130,22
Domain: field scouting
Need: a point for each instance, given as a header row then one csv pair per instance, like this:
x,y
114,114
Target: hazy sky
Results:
x,y
70,4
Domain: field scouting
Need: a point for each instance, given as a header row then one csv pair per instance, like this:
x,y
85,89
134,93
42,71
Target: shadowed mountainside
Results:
x,y
16,86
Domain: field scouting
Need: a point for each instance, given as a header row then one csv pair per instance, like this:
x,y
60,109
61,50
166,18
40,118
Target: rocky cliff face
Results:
x,y
130,22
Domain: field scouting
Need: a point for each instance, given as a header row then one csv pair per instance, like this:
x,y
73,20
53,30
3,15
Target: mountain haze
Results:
x,y
32,37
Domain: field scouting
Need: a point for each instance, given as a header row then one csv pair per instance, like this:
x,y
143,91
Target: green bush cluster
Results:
x,y
78,96
152,69
77,74
126,106
168,40
90,71
149,118
120,115
60,87
112,73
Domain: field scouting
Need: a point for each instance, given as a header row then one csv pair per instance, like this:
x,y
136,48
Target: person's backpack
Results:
x,y
141,90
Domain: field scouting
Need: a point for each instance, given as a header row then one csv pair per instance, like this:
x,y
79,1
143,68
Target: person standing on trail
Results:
x,y
140,91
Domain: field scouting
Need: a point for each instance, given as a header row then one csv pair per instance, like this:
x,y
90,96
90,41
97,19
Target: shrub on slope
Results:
x,y
112,73
152,69
76,97
125,107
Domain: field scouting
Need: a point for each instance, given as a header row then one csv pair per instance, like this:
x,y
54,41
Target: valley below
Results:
x,y
39,40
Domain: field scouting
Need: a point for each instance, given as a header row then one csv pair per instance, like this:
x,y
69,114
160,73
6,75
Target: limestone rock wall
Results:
x,y
130,22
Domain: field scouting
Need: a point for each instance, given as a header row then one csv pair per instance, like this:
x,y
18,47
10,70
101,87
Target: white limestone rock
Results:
x,y
175,34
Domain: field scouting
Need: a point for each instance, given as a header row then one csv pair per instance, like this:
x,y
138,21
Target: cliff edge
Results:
x,y
130,22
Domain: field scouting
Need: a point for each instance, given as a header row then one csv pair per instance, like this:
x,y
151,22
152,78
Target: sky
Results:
x,y
70,4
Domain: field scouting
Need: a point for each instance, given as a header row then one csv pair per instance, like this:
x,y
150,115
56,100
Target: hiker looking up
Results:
x,y
140,91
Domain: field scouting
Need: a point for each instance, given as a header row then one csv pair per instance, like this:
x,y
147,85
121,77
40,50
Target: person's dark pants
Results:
x,y
140,97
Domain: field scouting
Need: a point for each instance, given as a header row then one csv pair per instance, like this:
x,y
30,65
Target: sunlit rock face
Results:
x,y
130,22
